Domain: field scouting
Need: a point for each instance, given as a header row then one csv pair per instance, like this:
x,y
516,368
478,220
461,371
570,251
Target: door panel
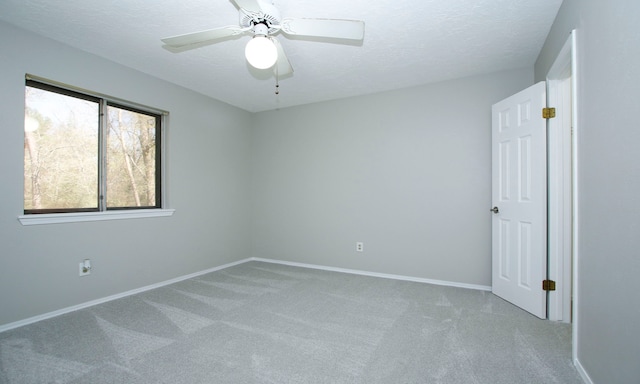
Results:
x,y
520,192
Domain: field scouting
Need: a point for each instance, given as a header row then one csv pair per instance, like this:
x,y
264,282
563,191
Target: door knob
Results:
x,y
495,210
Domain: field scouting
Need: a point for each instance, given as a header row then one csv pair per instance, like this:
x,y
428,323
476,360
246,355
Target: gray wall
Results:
x,y
208,179
406,172
609,181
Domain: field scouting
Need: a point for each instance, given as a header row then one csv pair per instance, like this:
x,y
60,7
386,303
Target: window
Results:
x,y
86,153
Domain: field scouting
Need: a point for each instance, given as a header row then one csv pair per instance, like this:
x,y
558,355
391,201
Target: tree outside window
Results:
x,y
86,153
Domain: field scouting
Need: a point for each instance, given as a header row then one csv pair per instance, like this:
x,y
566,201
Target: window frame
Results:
x,y
102,212
158,156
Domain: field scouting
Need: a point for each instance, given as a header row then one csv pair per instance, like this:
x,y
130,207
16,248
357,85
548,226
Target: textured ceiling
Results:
x,y
406,43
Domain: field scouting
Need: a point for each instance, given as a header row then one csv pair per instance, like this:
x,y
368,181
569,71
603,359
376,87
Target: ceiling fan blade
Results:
x,y
252,6
282,67
203,36
333,28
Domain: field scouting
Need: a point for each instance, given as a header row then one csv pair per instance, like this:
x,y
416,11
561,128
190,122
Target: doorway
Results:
x,y
534,227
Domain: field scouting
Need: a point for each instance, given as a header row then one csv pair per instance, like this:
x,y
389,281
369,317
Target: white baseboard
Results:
x,y
376,274
582,372
91,303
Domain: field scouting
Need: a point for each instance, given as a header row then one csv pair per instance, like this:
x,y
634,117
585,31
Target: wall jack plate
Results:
x,y
84,268
359,246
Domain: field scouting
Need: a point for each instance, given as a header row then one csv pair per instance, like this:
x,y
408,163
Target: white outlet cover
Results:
x,y
81,272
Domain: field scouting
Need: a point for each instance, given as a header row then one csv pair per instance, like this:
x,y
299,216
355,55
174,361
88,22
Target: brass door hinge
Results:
x,y
548,285
548,113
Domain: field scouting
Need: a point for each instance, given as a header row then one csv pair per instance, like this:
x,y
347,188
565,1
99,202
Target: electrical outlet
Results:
x,y
84,268
359,246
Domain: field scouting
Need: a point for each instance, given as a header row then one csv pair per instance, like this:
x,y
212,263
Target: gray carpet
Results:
x,y
268,323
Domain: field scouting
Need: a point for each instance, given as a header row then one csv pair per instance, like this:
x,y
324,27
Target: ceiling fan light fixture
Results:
x,y
261,19
261,53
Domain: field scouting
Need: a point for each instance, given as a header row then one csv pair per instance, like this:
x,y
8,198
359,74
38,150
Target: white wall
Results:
x,y
208,181
406,172
608,181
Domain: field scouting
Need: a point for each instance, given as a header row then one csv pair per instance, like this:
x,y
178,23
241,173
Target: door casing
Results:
x,y
561,186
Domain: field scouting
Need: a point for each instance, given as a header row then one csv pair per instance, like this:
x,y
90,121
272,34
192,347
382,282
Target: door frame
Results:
x,y
559,168
562,93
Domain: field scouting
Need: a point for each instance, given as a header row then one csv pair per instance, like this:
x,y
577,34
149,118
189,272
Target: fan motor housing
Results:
x,y
269,17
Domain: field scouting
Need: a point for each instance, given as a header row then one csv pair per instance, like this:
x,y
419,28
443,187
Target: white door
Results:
x,y
519,197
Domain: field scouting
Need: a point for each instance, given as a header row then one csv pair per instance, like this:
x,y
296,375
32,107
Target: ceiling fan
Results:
x,y
262,19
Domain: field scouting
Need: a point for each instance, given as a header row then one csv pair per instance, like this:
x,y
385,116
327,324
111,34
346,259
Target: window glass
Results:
x,y
76,161
131,158
61,159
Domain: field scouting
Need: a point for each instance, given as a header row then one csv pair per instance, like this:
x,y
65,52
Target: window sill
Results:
x,y
57,218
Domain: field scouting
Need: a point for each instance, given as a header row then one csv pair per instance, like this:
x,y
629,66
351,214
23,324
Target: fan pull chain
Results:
x,y
277,89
